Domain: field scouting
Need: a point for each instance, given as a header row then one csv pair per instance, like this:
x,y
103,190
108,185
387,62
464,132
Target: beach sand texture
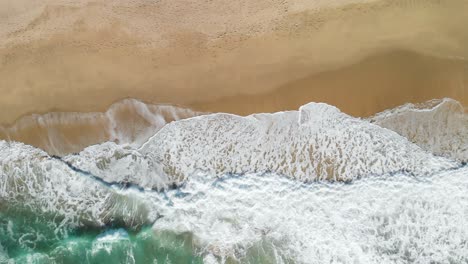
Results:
x,y
239,57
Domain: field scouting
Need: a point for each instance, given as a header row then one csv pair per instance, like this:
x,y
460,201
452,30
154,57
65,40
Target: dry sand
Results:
x,y
235,56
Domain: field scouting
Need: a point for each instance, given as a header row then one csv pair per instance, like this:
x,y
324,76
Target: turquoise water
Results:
x,y
35,239
265,219
40,240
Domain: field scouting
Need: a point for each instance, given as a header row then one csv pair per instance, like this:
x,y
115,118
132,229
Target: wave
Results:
x,y
438,126
32,182
318,142
126,122
231,202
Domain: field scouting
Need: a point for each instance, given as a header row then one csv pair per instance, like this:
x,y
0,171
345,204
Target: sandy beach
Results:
x,y
238,57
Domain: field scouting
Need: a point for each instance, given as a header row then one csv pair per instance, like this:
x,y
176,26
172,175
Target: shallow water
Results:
x,y
128,121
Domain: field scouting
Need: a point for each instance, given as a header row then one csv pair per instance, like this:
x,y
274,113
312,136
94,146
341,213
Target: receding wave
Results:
x,y
126,122
438,126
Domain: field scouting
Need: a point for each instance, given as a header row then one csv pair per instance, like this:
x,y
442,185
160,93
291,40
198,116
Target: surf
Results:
x,y
307,186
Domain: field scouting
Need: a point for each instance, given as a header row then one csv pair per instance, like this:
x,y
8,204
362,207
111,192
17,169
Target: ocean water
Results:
x,y
307,186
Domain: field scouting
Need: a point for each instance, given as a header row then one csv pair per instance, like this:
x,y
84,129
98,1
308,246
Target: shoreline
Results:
x,y
286,55
363,89
375,84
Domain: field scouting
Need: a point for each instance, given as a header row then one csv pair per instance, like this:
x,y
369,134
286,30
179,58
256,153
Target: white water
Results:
x,y
307,186
33,181
387,219
318,142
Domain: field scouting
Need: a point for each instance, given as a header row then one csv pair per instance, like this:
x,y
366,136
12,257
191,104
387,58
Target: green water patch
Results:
x,y
37,239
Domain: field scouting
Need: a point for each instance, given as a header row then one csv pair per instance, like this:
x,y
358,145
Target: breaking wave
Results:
x,y
307,186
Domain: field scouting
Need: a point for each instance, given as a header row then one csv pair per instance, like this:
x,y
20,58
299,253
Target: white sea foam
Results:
x,y
438,126
233,198
318,142
116,163
387,219
31,180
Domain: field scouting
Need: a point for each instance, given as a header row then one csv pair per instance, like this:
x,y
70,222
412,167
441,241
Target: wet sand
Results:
x,y
375,84
231,56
